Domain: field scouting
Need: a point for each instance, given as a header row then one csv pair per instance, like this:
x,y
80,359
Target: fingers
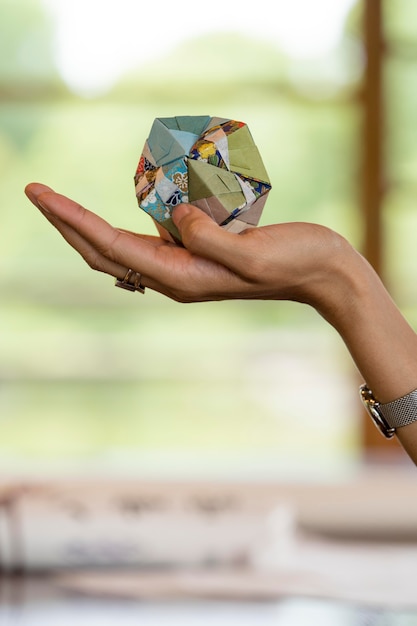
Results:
x,y
199,233
105,248
118,246
35,192
210,268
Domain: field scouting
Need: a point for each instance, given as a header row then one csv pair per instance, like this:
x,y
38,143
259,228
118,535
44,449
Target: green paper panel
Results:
x,y
205,180
231,201
239,161
240,139
244,155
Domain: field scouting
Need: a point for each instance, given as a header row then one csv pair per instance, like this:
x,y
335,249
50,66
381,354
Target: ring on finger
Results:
x,y
131,281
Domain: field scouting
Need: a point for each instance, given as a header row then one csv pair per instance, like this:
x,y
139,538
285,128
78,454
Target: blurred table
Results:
x,y
38,601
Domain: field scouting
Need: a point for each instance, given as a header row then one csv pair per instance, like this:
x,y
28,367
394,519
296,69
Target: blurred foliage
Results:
x,y
91,372
400,21
401,152
27,64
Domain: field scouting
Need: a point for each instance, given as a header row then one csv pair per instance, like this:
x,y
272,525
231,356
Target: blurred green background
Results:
x,y
95,378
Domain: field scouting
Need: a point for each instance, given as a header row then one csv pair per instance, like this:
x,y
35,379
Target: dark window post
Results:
x,y
373,173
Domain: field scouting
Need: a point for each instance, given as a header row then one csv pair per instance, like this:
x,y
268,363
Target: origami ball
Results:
x,y
210,162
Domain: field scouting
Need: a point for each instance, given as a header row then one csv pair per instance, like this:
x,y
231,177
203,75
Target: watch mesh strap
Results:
x,y
401,412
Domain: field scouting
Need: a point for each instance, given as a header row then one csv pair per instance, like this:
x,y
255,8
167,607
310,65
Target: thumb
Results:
x,y
201,234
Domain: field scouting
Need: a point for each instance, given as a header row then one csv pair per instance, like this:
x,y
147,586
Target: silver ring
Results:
x,y
130,286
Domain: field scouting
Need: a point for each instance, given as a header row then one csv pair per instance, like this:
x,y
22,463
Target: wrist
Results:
x,y
380,340
339,282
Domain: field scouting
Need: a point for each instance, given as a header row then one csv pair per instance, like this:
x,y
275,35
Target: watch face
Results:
x,y
372,406
380,422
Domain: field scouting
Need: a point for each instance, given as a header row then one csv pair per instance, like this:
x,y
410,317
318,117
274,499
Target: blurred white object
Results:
x,y
126,524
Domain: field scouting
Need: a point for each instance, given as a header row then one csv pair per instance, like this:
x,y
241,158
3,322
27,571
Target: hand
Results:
x,y
296,261
282,261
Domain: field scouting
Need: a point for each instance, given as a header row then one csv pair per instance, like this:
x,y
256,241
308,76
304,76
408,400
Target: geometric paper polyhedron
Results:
x,y
210,162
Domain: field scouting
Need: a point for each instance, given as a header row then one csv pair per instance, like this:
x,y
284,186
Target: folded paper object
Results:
x,y
210,162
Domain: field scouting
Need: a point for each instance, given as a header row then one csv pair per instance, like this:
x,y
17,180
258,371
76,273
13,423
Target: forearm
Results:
x,y
380,340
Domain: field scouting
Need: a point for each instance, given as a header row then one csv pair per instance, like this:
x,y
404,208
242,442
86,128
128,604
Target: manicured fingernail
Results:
x,y
43,208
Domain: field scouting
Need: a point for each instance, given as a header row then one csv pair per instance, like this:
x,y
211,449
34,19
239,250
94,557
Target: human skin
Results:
x,y
297,261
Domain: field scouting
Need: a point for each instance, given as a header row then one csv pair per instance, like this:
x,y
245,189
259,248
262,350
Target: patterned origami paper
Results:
x,y
210,162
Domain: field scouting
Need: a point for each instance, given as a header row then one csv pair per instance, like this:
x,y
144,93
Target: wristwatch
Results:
x,y
391,415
